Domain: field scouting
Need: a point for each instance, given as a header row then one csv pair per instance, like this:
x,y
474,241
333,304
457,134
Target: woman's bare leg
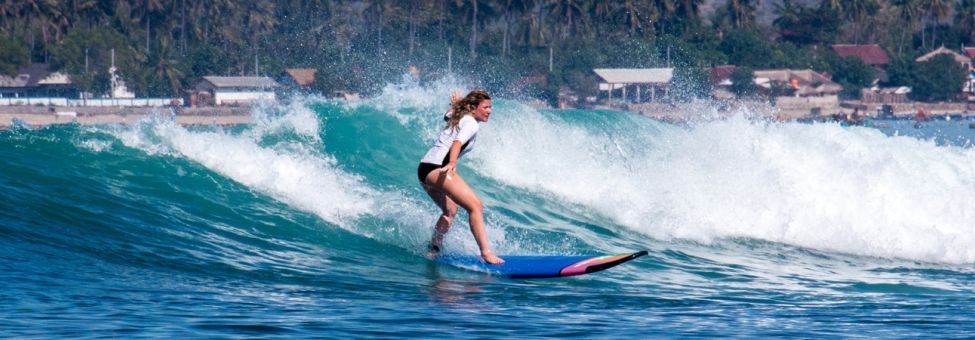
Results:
x,y
448,210
459,192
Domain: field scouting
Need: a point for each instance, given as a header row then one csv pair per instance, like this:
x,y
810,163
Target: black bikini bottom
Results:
x,y
425,169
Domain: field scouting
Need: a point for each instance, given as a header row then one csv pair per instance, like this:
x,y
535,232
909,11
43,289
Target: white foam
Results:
x,y
96,145
294,172
294,116
822,186
306,181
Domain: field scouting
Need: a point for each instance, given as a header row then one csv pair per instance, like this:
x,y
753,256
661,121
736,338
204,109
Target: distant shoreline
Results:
x,y
40,116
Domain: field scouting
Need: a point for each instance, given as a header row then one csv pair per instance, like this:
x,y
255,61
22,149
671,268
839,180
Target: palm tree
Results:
x,y
740,12
857,10
787,14
148,7
82,12
936,10
660,11
480,12
571,13
688,11
166,67
602,13
259,19
52,21
507,7
910,12
633,16
965,17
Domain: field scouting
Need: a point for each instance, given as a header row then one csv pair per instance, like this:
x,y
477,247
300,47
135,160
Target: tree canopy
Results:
x,y
359,45
940,78
853,75
12,55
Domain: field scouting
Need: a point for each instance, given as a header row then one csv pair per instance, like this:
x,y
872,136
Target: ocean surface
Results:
x,y
310,223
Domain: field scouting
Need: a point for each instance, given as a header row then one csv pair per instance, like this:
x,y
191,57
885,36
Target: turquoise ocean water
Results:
x,y
310,223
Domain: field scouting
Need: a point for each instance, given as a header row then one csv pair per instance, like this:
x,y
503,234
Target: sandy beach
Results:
x,y
38,116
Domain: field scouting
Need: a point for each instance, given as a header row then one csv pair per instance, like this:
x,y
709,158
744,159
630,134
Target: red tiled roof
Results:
x,y
722,72
302,76
870,54
970,52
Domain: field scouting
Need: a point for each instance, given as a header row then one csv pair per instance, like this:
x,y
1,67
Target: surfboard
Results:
x,y
534,267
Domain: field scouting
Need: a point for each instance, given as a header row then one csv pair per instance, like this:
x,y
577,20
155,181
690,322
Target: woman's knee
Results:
x,y
449,211
476,207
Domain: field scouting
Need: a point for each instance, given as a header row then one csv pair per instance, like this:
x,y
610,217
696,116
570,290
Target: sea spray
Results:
x,y
820,186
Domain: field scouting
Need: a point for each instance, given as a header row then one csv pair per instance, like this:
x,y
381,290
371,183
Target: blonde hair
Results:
x,y
466,106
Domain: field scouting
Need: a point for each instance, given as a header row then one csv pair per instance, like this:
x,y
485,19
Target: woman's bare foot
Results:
x,y
489,257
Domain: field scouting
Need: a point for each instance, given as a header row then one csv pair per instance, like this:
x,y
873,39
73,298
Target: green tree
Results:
x,y
69,55
165,72
744,47
206,60
855,11
936,10
12,55
743,82
804,25
965,19
858,11
908,17
940,78
900,71
787,55
853,75
737,13
686,16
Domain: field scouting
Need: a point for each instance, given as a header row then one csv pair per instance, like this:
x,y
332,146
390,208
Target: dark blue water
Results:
x,y
309,223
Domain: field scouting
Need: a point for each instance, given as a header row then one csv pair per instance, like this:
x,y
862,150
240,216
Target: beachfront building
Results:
x,y
872,55
643,84
800,83
799,93
970,82
885,95
237,90
37,81
298,78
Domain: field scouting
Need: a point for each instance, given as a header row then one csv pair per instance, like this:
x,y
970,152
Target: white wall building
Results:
x,y
238,90
644,83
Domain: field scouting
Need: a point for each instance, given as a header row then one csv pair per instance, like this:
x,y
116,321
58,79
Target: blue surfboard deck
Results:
x,y
533,267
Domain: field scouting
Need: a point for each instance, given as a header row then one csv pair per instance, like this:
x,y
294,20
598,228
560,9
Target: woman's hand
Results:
x,y
450,169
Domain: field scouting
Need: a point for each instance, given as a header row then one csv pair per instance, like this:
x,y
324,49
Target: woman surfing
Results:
x,y
438,171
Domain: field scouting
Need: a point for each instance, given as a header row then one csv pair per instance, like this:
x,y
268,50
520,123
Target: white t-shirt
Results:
x,y
466,133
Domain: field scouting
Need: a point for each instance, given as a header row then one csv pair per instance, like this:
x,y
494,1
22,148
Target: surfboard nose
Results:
x,y
595,264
